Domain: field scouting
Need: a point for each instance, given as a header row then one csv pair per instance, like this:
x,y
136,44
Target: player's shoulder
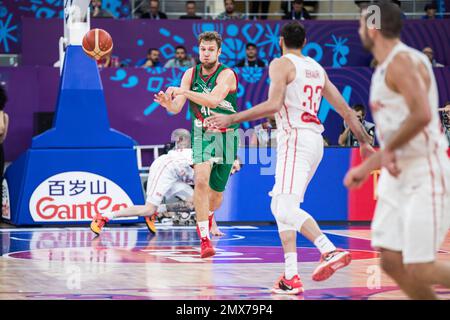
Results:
x,y
281,64
226,71
402,63
189,71
226,74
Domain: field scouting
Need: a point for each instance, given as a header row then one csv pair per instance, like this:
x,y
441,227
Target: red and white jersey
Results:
x,y
389,110
303,96
177,163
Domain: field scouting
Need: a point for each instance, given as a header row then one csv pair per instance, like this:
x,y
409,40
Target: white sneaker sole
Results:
x,y
295,291
326,269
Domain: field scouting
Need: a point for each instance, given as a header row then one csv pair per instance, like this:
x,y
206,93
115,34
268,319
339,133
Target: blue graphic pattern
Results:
x,y
340,51
6,32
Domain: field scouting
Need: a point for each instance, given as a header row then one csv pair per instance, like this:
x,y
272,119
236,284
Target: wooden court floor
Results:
x,y
129,263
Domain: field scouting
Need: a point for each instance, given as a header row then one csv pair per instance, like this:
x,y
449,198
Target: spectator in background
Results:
x,y
108,61
190,11
430,11
251,59
98,12
264,9
265,134
298,12
4,122
152,59
229,13
181,59
154,12
446,119
429,53
347,139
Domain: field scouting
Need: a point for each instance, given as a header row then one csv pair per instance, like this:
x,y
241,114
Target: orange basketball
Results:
x,y
97,43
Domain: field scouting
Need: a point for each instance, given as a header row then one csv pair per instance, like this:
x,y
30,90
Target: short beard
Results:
x,y
209,66
367,43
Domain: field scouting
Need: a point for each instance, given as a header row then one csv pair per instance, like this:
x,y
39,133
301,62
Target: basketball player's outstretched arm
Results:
x,y
332,94
175,104
226,82
278,73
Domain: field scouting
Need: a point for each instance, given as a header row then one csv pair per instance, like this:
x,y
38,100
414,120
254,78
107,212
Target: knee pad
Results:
x,y
287,212
281,226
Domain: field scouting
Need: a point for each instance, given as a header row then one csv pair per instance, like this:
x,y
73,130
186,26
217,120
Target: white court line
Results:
x,y
236,237
160,227
338,233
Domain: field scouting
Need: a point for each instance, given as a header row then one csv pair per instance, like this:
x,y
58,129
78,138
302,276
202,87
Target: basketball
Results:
x,y
97,43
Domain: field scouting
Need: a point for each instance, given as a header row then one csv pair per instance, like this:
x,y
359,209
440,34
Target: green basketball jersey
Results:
x,y
205,84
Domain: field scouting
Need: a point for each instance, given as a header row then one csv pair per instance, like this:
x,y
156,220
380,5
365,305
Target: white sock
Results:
x,y
204,228
290,265
110,215
324,244
211,213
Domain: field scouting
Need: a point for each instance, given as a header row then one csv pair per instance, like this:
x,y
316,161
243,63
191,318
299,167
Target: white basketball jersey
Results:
x,y
178,162
303,96
389,109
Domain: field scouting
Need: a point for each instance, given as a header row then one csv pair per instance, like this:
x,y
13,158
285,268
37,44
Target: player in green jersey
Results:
x,y
209,85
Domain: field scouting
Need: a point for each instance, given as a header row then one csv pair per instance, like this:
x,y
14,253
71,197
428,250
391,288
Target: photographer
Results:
x,y
347,139
4,122
445,118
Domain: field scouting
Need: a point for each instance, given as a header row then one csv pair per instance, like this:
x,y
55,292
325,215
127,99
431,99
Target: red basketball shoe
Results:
x,y
207,250
331,262
284,286
98,223
150,222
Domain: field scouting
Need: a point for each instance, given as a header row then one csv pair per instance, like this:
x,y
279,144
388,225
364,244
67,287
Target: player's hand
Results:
x,y
366,150
445,109
236,167
356,177
174,91
218,120
163,99
389,161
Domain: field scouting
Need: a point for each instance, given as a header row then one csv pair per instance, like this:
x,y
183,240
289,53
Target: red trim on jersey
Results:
x,y
285,161
287,115
237,82
281,121
208,77
295,155
235,75
433,191
192,76
310,118
444,187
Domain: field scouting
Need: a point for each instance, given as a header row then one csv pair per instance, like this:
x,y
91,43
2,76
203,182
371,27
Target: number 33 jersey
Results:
x,y
303,96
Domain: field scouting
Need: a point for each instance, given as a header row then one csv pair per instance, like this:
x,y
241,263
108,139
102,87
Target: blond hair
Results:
x,y
210,36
